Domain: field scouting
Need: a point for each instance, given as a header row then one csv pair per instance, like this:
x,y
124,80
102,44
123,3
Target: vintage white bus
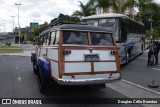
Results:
x,y
76,55
128,33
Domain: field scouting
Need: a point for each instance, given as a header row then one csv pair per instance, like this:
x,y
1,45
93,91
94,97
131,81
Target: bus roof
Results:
x,y
108,15
77,27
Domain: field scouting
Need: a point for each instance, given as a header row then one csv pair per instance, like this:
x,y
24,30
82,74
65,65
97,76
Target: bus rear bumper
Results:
x,y
67,80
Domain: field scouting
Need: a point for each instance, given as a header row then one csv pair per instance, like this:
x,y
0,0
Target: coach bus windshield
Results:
x,y
110,24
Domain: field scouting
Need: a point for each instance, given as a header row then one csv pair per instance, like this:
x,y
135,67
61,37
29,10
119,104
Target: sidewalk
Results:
x,y
24,53
27,49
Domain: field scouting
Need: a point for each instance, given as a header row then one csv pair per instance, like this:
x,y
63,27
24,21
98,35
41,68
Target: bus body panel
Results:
x,y
54,69
127,32
77,67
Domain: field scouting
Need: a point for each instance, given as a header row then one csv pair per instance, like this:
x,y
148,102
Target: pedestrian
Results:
x,y
153,53
156,50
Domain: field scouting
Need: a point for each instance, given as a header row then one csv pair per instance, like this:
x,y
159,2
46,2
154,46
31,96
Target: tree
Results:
x,y
36,31
117,6
140,4
85,10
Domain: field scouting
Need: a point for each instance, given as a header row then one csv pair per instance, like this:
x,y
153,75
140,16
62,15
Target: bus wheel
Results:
x,y
34,69
127,58
142,49
41,84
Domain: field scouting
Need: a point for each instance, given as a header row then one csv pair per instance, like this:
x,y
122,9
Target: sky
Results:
x,y
34,11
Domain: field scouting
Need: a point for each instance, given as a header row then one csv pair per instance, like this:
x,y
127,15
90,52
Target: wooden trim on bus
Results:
x,y
118,63
89,38
90,73
88,61
114,42
60,56
116,55
89,47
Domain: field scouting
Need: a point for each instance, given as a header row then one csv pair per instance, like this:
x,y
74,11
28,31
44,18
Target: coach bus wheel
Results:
x,y
127,58
142,48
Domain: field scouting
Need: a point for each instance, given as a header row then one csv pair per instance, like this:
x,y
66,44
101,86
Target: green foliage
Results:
x,y
86,9
66,19
36,31
10,49
147,9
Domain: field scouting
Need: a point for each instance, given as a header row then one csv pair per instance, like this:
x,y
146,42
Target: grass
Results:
x,y
10,49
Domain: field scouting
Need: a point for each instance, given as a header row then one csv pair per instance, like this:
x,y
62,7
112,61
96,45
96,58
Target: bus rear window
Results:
x,y
101,39
75,37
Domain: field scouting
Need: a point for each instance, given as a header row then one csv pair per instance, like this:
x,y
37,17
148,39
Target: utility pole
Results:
x,y
19,31
13,29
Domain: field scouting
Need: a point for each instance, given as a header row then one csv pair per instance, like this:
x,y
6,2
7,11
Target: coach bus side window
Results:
x,y
46,39
57,37
41,40
124,30
53,34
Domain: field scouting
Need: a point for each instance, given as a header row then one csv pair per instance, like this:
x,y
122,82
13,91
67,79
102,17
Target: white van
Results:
x,y
76,55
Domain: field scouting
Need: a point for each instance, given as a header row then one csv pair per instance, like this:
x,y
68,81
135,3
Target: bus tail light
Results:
x,y
110,74
67,52
73,76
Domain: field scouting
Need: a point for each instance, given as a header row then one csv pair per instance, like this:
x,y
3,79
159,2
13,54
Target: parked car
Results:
x,y
8,43
75,55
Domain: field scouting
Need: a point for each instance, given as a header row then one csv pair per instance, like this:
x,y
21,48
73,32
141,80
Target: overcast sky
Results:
x,y
34,11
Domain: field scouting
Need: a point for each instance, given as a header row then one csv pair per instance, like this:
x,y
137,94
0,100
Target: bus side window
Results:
x,y
124,30
57,37
46,39
41,40
53,34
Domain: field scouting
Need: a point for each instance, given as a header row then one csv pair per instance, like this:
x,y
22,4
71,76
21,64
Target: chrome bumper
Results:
x,y
91,81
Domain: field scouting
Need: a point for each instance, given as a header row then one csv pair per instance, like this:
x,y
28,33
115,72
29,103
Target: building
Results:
x,y
24,32
6,37
112,10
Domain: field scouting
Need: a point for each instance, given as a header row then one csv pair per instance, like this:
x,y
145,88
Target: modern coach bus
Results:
x,y
128,33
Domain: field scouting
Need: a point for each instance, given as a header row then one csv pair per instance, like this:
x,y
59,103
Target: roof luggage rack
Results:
x,y
60,21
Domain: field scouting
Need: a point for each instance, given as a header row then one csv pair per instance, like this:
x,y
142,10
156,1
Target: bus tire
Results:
x,y
127,58
142,49
34,69
41,84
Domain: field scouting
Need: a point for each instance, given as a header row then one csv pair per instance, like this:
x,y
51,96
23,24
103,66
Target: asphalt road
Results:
x,y
17,80
139,73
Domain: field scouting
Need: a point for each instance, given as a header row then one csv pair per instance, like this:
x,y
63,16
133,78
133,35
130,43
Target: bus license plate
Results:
x,y
92,58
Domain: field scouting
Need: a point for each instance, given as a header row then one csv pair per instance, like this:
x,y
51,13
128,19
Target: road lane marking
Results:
x,y
132,90
156,69
143,58
19,79
139,86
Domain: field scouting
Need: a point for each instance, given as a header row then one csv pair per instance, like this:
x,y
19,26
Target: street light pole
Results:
x,y
13,28
18,4
151,27
3,24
